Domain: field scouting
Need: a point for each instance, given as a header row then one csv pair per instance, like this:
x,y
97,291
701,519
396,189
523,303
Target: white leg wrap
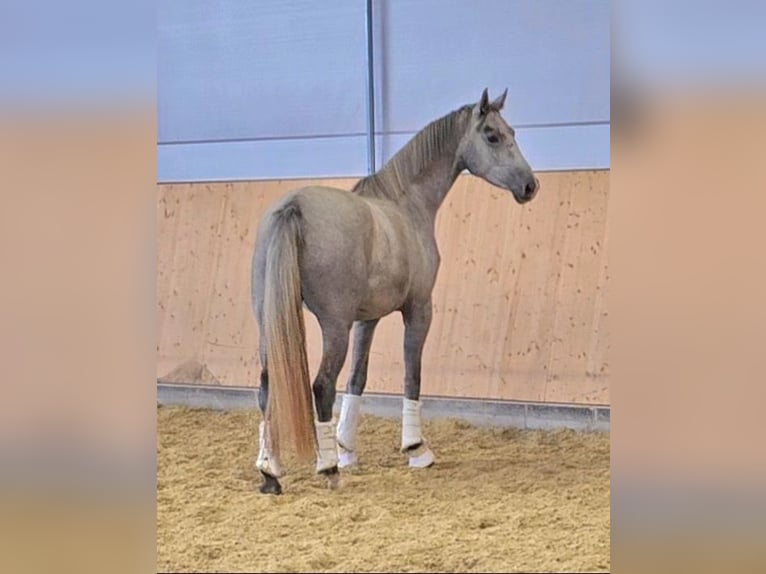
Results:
x,y
411,433
266,462
327,446
347,427
422,456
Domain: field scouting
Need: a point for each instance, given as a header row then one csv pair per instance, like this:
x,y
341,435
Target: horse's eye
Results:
x,y
492,138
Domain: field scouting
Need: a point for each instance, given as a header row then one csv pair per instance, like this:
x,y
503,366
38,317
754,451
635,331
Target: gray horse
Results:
x,y
352,258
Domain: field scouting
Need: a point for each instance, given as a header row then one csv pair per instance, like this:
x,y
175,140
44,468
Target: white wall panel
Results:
x,y
554,148
238,69
552,55
271,159
257,89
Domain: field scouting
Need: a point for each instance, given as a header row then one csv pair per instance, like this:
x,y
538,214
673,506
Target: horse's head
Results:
x,y
489,150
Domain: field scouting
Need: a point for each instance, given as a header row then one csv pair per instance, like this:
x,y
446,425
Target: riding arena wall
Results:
x,y
519,307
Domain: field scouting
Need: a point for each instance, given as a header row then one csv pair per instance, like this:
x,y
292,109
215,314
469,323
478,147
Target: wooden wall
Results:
x,y
519,304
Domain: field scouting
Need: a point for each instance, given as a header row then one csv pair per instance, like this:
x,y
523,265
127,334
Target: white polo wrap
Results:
x,y
266,462
347,429
327,446
412,434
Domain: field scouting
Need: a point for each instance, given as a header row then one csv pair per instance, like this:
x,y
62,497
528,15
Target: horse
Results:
x,y
352,258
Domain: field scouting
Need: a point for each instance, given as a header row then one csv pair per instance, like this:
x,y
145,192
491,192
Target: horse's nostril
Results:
x,y
529,189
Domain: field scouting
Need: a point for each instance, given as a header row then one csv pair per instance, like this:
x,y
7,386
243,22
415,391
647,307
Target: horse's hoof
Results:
x,y
420,456
333,477
270,484
425,460
346,458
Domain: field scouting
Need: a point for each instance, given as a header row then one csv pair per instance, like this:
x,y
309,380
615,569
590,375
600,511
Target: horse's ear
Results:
x,y
484,103
498,104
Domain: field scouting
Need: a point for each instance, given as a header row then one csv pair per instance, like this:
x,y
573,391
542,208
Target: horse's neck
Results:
x,y
426,193
422,177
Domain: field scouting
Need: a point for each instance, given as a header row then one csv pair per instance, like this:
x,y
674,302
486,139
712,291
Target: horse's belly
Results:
x,y
386,293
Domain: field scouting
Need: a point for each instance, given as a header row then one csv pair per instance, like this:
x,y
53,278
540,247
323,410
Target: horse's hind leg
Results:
x,y
352,400
334,349
266,462
417,320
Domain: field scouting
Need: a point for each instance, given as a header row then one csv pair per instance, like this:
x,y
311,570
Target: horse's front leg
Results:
x,y
417,320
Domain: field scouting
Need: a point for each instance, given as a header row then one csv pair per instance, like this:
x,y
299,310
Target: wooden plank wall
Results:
x,y
519,304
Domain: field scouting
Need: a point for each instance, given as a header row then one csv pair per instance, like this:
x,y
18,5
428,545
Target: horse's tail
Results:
x,y
290,411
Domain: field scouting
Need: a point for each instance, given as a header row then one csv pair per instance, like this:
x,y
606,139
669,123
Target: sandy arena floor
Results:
x,y
497,500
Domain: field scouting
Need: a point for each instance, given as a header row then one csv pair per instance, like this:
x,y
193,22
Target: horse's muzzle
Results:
x,y
530,189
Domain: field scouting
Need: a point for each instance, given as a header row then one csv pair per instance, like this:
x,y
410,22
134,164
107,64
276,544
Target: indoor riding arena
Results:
x,y
258,99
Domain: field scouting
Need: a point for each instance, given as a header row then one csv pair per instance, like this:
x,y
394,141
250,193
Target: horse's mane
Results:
x,y
438,138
